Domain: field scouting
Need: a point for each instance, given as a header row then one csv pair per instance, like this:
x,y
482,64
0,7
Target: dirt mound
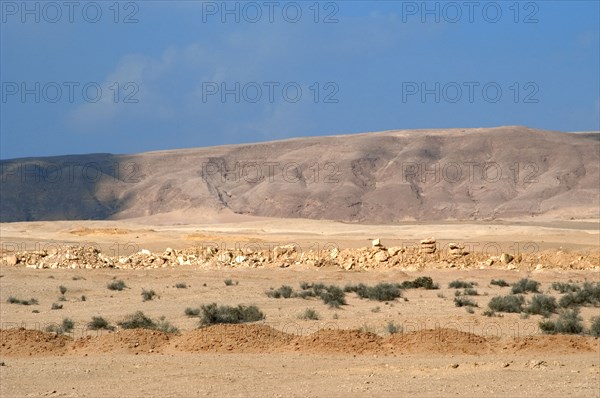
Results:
x,y
340,341
23,342
238,338
123,341
265,339
441,341
557,344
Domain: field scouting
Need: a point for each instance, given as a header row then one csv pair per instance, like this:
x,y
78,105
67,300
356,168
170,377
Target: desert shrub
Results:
x,y
541,304
489,313
62,289
461,284
148,295
56,306
181,285
305,285
381,292
164,326
568,322
318,288
588,294
595,327
509,303
333,296
77,278
499,282
392,328
229,282
212,314
283,292
14,300
424,282
464,302
83,298
470,292
376,310
525,285
309,314
137,320
67,325
470,309
191,312
62,298
99,323
116,285
562,287
304,294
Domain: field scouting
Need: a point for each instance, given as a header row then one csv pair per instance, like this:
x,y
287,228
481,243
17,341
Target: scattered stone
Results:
x,y
376,243
506,258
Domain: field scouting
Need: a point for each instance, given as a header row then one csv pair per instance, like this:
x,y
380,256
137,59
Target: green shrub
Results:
x,y
513,304
568,322
304,294
499,282
470,292
565,287
309,314
164,326
333,296
56,306
67,325
392,328
525,285
191,312
489,313
137,320
541,304
212,314
148,295
283,292
464,302
588,294
305,285
424,282
595,327
99,323
116,285
461,284
381,292
181,285
14,300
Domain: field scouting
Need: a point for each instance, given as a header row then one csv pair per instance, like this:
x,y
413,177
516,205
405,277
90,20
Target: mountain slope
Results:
x,y
381,177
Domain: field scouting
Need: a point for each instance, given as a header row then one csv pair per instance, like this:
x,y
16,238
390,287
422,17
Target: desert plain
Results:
x,y
439,350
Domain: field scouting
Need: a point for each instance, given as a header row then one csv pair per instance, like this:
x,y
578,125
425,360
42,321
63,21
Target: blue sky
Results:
x,y
156,82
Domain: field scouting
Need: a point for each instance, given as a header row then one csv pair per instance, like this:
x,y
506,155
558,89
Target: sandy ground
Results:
x,y
513,359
